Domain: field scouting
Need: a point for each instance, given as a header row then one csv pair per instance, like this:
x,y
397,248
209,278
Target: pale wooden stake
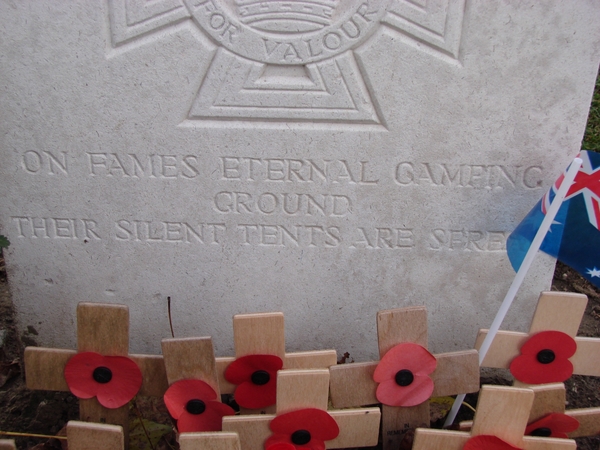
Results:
x,y
104,329
194,358
551,398
298,389
209,441
7,444
190,358
557,311
502,412
264,334
94,436
353,385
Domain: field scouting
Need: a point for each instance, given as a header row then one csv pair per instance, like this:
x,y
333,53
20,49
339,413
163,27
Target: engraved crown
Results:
x,y
286,16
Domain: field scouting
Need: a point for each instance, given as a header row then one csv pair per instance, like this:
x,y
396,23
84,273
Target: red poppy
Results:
x,y
256,377
485,442
195,407
555,425
403,375
113,380
305,429
545,358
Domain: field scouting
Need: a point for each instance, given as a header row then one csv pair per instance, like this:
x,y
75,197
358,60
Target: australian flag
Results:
x,y
574,237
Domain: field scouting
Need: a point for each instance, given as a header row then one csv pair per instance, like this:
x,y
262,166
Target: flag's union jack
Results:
x,y
587,184
574,237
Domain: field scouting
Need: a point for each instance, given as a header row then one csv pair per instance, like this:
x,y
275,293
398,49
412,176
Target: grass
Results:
x,y
591,138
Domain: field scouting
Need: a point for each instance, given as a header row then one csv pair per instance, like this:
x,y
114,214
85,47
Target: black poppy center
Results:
x,y
260,377
301,437
195,406
404,377
102,375
542,432
546,356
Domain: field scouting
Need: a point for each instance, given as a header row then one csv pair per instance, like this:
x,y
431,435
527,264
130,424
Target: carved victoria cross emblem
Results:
x,y
292,61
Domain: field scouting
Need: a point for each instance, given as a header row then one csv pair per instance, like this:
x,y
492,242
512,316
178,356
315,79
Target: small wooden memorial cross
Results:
x,y
263,334
194,359
85,436
209,441
551,399
353,384
103,329
7,444
94,436
190,358
555,311
502,413
298,390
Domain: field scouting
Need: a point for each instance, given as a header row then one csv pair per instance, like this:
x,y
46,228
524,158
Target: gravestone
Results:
x,y
327,159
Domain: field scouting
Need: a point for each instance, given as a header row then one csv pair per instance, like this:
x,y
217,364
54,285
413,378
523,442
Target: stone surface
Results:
x,y
326,159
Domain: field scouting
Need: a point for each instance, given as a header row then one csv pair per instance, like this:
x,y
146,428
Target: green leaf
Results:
x,y
439,407
4,242
137,437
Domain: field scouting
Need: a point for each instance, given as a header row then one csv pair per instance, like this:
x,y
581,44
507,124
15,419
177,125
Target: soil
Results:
x,y
44,412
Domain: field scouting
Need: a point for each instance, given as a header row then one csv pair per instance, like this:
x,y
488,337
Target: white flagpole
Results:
x,y
520,276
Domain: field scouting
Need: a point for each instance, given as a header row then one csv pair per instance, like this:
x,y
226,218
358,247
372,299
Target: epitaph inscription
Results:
x,y
261,215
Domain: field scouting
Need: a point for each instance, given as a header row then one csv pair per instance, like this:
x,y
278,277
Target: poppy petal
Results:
x,y
528,369
78,374
254,396
280,446
407,356
391,394
563,345
485,442
242,368
284,442
182,391
558,424
210,420
279,441
317,422
124,385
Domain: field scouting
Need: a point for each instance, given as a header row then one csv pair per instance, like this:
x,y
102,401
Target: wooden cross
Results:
x,y
551,398
104,329
7,444
190,358
556,311
353,385
299,389
502,412
93,436
194,358
263,333
209,441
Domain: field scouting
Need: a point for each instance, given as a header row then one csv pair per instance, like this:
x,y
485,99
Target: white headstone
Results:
x,y
325,158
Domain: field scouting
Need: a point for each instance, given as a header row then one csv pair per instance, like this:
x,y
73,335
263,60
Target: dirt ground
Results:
x,y
46,412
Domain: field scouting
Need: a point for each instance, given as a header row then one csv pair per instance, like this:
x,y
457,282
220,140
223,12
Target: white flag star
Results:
x,y
594,272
